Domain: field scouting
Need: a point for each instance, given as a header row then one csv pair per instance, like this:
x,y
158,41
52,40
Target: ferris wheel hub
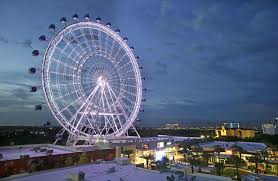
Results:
x,y
101,81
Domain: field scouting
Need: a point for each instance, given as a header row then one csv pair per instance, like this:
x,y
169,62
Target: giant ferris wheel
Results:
x,y
91,79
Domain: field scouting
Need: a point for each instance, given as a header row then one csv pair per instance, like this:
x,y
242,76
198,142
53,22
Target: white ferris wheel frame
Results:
x,y
46,86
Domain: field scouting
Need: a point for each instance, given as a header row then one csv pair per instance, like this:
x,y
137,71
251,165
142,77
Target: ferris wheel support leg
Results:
x,y
72,140
59,135
133,127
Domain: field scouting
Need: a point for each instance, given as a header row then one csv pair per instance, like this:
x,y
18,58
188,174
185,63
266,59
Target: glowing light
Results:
x,y
160,145
159,155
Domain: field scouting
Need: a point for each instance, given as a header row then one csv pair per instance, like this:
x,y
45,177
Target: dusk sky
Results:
x,y
203,60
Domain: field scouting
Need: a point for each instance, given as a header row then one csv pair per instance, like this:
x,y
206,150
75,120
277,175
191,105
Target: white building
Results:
x,y
270,128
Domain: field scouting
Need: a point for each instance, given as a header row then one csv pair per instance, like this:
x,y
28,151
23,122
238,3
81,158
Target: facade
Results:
x,y
155,147
235,132
270,128
33,158
172,126
231,125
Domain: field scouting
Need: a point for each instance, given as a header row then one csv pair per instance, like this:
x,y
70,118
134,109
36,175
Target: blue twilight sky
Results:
x,y
203,60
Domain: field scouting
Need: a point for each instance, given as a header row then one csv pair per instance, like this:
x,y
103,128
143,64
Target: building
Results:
x,y
234,132
156,147
31,158
231,125
172,126
113,171
227,149
270,128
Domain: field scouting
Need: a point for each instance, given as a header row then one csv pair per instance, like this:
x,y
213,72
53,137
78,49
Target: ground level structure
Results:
x,y
109,171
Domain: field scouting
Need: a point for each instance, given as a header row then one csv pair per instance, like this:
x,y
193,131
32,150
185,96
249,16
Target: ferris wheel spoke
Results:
x,y
79,43
127,85
122,79
127,99
129,92
120,60
58,87
59,73
120,68
118,51
122,73
61,96
106,40
64,54
64,64
84,36
93,83
59,84
73,102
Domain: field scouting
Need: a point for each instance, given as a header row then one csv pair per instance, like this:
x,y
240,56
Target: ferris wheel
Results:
x,y
91,79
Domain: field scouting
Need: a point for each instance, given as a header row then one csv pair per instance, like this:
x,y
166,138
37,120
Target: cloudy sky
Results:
x,y
203,60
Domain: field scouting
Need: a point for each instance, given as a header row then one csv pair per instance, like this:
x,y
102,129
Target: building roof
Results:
x,y
247,146
102,172
14,152
99,172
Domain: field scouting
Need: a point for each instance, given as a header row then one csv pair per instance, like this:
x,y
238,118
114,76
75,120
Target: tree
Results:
x,y
237,163
238,149
68,161
264,155
206,156
219,166
128,153
191,158
83,158
218,149
255,159
147,158
200,163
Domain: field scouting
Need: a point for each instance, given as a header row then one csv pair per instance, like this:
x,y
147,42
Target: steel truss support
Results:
x,y
90,141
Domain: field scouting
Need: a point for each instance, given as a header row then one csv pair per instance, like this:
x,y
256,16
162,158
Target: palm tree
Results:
x,y
147,158
200,163
218,149
128,153
219,166
206,156
264,155
191,158
237,162
255,159
238,149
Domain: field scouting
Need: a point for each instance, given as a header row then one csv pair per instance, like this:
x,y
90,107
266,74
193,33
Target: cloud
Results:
x,y
170,43
165,6
162,68
3,39
25,43
21,93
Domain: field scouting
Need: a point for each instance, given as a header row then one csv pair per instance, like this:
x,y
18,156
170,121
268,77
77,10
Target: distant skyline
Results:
x,y
203,60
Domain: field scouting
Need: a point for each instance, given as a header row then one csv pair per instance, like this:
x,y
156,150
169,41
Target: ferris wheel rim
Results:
x,y
45,82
